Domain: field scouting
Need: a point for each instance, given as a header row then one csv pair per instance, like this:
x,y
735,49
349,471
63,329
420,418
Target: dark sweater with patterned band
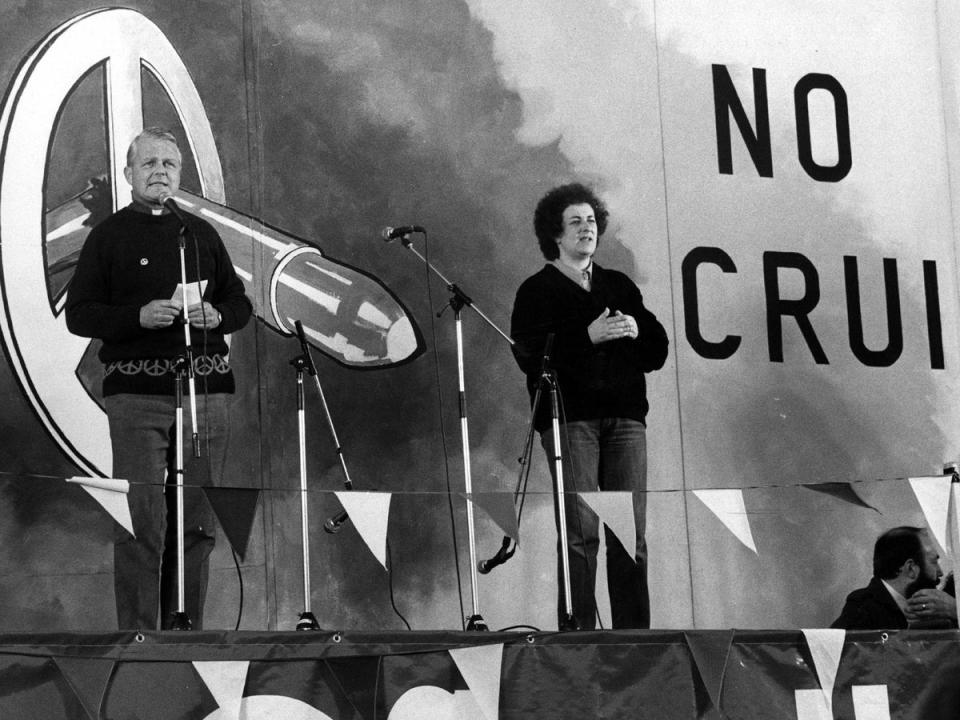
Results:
x,y
128,260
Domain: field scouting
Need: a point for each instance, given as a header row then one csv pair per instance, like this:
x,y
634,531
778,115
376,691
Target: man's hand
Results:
x,y
931,604
206,316
612,327
159,314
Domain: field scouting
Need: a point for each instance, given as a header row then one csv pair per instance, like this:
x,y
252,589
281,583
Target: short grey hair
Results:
x,y
157,133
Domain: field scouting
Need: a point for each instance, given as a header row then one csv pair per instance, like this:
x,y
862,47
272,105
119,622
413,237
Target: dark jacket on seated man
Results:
x,y
902,592
871,608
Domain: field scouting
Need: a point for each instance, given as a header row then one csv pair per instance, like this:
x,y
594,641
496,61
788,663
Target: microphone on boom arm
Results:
x,y
333,524
389,234
503,554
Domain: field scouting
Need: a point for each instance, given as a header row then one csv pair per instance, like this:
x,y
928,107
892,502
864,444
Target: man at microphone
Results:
x,y
604,341
126,292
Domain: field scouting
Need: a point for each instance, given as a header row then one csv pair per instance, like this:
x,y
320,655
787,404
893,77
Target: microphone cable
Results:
x,y
393,601
443,434
206,425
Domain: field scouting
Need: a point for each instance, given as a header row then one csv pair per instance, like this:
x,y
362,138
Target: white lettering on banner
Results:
x,y
812,705
870,702
429,702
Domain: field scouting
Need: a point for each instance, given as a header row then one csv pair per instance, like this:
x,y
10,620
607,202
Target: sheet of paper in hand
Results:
x,y
194,292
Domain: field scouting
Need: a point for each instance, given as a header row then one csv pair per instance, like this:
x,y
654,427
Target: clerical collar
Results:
x,y
142,207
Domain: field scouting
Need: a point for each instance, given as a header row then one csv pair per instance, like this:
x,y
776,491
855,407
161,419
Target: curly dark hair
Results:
x,y
548,217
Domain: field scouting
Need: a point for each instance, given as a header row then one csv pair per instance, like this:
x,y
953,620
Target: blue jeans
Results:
x,y
142,432
605,454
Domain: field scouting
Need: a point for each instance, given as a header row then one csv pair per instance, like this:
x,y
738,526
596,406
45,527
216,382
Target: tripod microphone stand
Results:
x,y
548,380
458,299
302,362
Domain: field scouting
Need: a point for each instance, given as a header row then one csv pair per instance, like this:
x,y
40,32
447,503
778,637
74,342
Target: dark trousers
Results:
x,y
606,454
142,431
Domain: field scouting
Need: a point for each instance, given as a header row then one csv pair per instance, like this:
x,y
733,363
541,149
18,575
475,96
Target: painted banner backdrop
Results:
x,y
779,176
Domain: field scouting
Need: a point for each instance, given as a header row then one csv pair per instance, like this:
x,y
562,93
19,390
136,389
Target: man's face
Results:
x,y
578,241
929,570
155,171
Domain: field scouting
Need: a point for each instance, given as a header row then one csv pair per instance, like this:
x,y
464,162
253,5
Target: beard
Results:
x,y
924,582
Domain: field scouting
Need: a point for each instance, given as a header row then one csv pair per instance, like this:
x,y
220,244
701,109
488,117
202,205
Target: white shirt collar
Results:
x,y
583,278
897,597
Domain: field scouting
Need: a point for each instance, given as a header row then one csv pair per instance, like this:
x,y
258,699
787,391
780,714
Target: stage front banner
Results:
x,y
808,675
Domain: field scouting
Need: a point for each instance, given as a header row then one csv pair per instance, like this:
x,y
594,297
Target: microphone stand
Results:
x,y
547,380
458,299
181,621
333,524
304,361
568,621
188,344
307,621
183,366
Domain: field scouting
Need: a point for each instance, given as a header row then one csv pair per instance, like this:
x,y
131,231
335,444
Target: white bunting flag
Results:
x,y
369,512
615,510
953,532
730,509
111,493
225,680
933,495
826,645
480,667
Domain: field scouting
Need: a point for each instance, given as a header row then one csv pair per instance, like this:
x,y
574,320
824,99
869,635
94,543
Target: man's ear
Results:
x,y
910,568
128,174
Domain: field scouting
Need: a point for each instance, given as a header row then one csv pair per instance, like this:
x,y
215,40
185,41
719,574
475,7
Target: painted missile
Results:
x,y
346,313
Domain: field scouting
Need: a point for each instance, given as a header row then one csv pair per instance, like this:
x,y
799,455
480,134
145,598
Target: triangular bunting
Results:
x,y
235,509
825,645
953,533
842,491
112,496
226,681
88,678
369,512
952,544
710,651
480,667
615,510
357,677
933,495
730,509
500,508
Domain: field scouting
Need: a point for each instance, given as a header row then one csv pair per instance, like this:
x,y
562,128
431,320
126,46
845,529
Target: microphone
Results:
x,y
307,357
333,524
503,554
390,233
170,204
